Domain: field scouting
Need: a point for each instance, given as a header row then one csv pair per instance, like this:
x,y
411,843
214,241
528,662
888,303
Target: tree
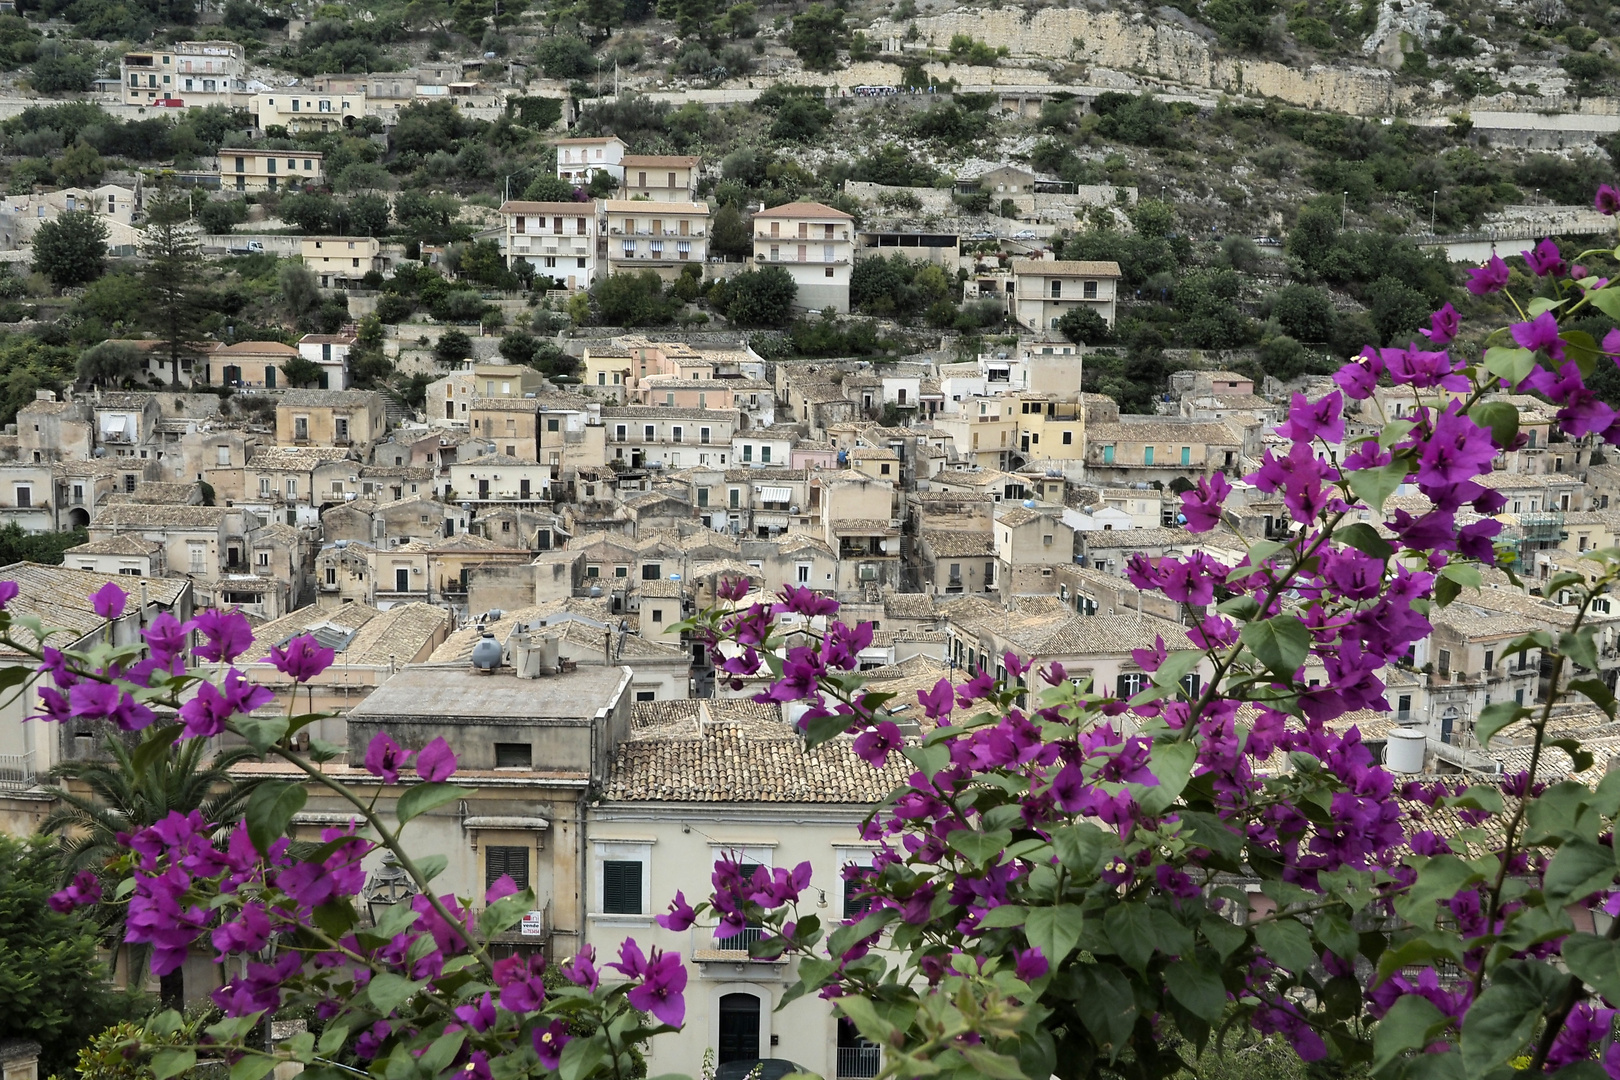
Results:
x,y
102,798
452,347
63,71
80,166
761,297
800,119
428,218
54,990
548,188
361,176
298,290
112,364
300,371
817,34
520,347
71,250
1083,326
1397,309
633,300
173,254
728,234
309,212
1304,313
566,56
221,215
1315,231
367,215
602,14
481,261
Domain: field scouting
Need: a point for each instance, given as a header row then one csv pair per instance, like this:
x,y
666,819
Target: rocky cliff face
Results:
x,y
1133,51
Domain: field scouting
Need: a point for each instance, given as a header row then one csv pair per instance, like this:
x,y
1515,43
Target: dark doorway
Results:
x,y
402,579
739,1028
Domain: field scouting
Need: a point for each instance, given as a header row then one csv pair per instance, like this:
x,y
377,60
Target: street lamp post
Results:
x,y
1433,196
1344,210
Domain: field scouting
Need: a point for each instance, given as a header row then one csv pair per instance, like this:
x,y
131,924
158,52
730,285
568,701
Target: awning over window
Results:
x,y
776,494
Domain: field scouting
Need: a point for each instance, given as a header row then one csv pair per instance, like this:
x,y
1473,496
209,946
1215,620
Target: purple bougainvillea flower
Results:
x,y
302,658
436,762
1488,278
108,601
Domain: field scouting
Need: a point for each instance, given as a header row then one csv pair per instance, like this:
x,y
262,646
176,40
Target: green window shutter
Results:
x,y
511,861
621,887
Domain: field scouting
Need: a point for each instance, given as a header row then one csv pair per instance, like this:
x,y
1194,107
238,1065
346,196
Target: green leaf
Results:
x,y
581,1057
441,1052
864,1015
1286,943
1335,932
1494,717
1110,1012
1543,303
155,747
260,732
1281,643
1375,486
332,1040
1596,961
978,847
930,759
301,1047
167,1063
1003,916
987,1062
1501,1019
432,865
1365,539
420,799
1176,666
1171,763
1501,417
1409,1024
1129,927
1055,930
1580,868
504,913
1514,365
1079,847
1223,936
823,729
1607,300
270,811
1597,692
1198,988
389,991
1580,647
253,1067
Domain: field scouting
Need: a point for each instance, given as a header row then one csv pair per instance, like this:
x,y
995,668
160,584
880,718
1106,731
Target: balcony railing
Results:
x,y
790,238
859,1062
16,771
806,261
648,232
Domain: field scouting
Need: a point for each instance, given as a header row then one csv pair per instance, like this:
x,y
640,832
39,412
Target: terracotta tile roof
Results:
x,y
123,544
804,210
573,209
60,596
951,543
1066,268
295,458
729,763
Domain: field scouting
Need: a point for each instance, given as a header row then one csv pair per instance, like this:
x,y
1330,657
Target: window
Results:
x,y
675,433
341,429
512,755
197,553
622,886
512,862
25,497
803,573
1490,658
657,615
1443,664
735,498
1089,290
703,435
748,452
1130,683
1057,290
764,455
652,571
621,571
1068,438
884,468
551,423
703,496
1147,455
264,485
646,695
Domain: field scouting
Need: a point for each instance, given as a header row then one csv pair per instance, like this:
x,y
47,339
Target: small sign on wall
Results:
x,y
534,924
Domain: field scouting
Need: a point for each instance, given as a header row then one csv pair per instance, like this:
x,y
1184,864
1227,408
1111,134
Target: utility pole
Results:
x,y
1433,195
1344,210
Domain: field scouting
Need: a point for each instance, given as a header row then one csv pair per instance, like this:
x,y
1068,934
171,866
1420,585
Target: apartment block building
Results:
x,y
580,159
189,74
659,178
663,237
243,169
339,261
1044,290
301,109
558,239
815,244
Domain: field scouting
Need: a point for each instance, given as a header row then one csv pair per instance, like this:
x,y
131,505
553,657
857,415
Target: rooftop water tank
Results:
x,y
1404,751
486,655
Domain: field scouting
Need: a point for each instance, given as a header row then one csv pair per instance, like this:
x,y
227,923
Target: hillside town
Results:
x,y
490,355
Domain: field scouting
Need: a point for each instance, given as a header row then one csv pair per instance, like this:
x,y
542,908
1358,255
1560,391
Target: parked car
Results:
x,y
1024,234
252,247
769,1069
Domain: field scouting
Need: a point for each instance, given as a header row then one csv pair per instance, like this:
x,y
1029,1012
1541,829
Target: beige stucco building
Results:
x,y
558,239
242,169
663,237
815,245
1044,290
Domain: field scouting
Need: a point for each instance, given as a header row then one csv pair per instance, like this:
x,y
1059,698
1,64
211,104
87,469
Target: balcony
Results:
x,y
822,238
859,1062
806,261
676,233
16,772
